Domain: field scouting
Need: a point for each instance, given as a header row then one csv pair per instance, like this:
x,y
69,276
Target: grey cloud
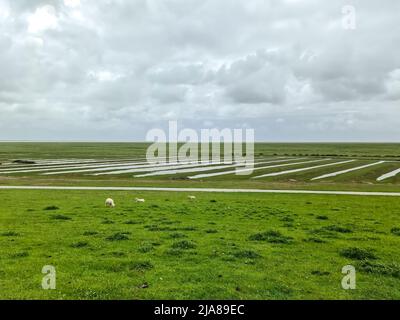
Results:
x,y
255,79
179,74
113,69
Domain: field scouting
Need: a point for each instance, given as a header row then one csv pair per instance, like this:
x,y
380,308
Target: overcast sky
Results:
x,y
114,69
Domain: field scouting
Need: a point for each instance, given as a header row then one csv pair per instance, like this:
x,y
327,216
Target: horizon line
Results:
x,y
149,142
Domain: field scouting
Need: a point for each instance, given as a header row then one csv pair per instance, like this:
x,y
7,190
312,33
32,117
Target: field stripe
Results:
x,y
389,175
273,174
62,166
177,171
206,175
164,167
69,167
12,166
84,162
349,193
123,168
74,167
158,168
334,174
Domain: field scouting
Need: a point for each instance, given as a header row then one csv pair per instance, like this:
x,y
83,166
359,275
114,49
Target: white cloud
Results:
x,y
4,10
104,76
72,3
44,18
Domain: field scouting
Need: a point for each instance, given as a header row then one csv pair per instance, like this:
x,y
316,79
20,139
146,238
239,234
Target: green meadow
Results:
x,y
218,246
362,153
100,150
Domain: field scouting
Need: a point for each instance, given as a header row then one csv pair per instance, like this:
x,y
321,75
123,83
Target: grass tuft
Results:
x,y
183,245
90,233
246,254
51,208
10,234
177,235
119,236
79,244
320,273
377,268
357,253
271,237
395,231
60,217
211,231
141,266
132,222
146,247
339,229
22,254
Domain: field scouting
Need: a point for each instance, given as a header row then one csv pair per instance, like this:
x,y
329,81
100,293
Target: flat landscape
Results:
x,y
340,166
218,245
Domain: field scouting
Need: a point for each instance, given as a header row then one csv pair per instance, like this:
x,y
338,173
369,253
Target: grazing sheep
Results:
x,y
139,200
110,203
191,197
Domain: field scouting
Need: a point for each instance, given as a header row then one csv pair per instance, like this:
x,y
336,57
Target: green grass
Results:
x,y
56,150
78,150
362,180
221,246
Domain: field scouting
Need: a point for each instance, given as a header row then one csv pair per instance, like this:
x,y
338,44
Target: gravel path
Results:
x,y
350,193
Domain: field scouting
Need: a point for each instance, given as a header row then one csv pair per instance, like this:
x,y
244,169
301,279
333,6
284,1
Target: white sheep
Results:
x,y
139,200
110,203
191,197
